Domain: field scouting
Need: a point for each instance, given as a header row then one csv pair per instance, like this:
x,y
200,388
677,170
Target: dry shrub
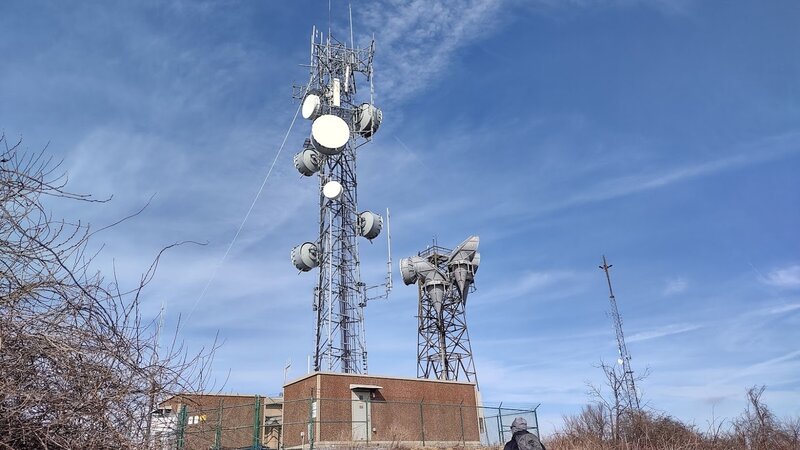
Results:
x,y
79,368
756,429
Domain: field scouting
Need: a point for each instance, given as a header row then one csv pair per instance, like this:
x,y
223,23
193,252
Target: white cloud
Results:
x,y
785,365
784,278
417,39
675,286
768,150
668,330
529,283
784,308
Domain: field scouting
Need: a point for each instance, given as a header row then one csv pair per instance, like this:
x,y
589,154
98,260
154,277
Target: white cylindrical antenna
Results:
x,y
337,92
313,39
369,224
389,252
350,9
347,79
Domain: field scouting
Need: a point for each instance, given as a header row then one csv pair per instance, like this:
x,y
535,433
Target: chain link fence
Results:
x,y
239,422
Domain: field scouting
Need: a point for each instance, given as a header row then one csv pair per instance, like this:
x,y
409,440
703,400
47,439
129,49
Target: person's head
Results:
x,y
519,424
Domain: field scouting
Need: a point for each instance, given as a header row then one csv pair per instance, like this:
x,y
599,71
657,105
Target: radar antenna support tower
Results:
x,y
631,397
342,121
444,277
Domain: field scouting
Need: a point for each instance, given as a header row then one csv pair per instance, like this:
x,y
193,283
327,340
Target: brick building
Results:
x,y
218,421
337,409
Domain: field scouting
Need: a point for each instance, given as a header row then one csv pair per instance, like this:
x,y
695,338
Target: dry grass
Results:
x,y
756,428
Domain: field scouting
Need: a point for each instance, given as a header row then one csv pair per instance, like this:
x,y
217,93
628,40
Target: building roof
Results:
x,y
386,377
269,399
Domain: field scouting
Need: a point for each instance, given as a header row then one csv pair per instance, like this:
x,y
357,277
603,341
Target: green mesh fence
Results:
x,y
239,422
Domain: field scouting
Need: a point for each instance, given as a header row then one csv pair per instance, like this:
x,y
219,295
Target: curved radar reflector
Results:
x,y
332,190
307,162
366,119
312,105
305,256
435,291
329,134
370,224
408,272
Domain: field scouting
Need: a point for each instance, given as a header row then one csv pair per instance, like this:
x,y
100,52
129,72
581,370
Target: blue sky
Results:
x,y
664,134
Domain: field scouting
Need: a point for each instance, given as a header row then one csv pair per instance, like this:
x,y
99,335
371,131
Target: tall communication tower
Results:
x,y
444,277
342,121
631,397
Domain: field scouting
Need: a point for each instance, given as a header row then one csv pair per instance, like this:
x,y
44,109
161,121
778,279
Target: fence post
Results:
x,y
257,424
218,432
536,420
182,416
461,416
422,422
500,423
482,417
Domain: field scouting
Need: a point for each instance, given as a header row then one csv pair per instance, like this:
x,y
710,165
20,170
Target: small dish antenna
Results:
x,y
312,105
332,190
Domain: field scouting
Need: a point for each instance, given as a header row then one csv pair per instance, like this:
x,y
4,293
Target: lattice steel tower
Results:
x,y
631,397
444,277
341,123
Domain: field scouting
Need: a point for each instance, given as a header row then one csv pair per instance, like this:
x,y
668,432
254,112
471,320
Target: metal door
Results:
x,y
360,415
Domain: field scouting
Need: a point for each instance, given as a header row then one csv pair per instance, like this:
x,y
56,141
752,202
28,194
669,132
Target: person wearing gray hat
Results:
x,y
521,438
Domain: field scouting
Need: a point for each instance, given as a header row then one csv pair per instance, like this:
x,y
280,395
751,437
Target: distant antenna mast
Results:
x,y
340,125
624,357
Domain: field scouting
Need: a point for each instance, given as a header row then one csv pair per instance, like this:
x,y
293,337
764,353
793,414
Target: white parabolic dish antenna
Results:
x,y
332,190
329,134
311,106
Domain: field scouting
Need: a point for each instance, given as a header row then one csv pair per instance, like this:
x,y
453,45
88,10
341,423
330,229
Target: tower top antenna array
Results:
x,y
444,277
341,122
631,397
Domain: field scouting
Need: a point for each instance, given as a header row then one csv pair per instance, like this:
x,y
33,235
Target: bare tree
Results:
x,y
79,368
758,428
622,414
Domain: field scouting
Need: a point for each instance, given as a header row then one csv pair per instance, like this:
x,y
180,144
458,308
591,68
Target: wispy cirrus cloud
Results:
x,y
784,308
420,38
770,149
675,286
784,278
786,363
660,332
530,283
